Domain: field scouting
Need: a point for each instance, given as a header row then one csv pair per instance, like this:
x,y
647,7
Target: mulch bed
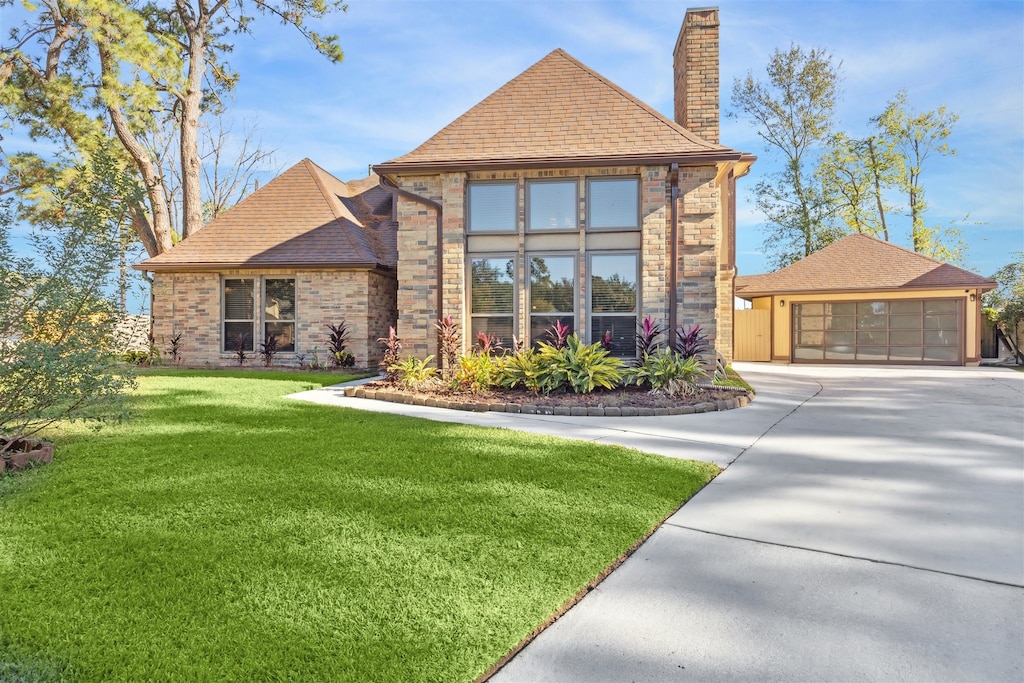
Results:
x,y
622,402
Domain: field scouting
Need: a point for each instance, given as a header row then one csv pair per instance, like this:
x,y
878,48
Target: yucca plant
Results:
x,y
667,372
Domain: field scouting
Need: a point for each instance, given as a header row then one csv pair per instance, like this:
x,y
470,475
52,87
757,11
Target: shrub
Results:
x,y
557,334
489,344
413,373
174,348
449,341
523,369
392,348
647,335
580,367
241,341
691,343
337,342
667,372
268,350
476,372
136,357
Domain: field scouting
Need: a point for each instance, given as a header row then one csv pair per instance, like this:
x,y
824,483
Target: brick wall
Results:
x,y
696,80
700,223
190,304
417,265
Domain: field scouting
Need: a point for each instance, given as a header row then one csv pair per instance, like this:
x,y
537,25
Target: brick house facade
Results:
x,y
560,128
559,198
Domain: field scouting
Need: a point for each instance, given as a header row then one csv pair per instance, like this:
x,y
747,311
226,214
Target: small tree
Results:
x,y
1008,302
56,322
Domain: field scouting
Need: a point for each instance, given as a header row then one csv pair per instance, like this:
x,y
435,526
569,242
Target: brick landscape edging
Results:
x,y
741,400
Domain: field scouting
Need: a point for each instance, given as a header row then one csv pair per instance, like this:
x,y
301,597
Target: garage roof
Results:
x,y
863,264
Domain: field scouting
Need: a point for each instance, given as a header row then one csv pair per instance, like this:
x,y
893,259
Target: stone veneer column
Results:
x,y
417,263
695,65
699,218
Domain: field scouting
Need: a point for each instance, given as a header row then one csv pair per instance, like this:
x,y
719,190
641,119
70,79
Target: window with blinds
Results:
x,y
239,312
613,203
551,205
279,312
492,298
492,207
613,301
552,294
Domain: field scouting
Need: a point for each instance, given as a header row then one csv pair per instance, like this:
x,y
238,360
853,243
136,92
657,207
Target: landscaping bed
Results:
x,y
627,401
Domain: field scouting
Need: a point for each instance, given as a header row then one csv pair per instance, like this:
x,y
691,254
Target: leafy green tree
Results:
x,y
793,111
911,138
56,322
855,175
1007,300
80,71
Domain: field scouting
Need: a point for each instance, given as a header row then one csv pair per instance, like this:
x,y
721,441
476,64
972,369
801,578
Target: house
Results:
x,y
304,251
558,198
863,300
563,198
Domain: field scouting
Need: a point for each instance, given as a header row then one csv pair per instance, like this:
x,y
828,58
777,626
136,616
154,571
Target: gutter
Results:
x,y
725,155
397,192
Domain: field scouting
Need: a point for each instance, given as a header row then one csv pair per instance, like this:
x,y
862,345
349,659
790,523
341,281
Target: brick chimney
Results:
x,y
695,66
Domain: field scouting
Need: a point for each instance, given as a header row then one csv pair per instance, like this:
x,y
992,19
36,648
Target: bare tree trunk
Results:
x,y
191,195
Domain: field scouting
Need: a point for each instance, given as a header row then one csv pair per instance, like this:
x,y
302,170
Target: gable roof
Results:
x,y
304,217
860,263
557,112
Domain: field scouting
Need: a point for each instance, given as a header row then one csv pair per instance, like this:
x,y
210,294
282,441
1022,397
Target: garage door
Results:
x,y
928,331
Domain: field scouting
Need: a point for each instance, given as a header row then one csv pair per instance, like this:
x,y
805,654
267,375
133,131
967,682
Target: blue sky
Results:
x,y
412,66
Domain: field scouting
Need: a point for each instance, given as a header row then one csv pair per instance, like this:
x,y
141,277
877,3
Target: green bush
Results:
x,y
523,369
414,373
667,372
578,366
475,372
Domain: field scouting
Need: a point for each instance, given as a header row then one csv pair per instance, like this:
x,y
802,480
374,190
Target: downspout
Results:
x,y
429,203
673,177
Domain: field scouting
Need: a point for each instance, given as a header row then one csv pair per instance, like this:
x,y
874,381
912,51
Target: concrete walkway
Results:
x,y
869,526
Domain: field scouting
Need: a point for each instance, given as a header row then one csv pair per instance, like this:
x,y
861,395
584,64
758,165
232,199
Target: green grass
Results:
x,y
226,533
733,379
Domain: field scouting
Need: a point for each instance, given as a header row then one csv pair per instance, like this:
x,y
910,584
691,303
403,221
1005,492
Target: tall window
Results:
x,y
613,203
613,301
492,298
552,294
551,205
239,311
279,312
492,207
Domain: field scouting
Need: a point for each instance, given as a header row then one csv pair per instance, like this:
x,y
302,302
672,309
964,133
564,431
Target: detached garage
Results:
x,y
862,300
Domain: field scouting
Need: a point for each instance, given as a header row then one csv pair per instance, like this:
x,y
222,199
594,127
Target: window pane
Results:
x,y
614,203
613,283
809,353
905,322
809,309
238,300
232,331
541,324
280,300
811,323
939,337
623,333
492,208
875,337
839,338
905,337
552,205
499,327
842,322
905,307
553,285
872,353
285,333
492,285
871,308
841,309
940,322
871,322
940,306
941,353
905,353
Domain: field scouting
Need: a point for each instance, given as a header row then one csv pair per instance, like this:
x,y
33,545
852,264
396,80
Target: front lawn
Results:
x,y
226,533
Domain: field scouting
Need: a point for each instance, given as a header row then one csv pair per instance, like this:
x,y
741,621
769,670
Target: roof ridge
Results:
x,y
636,101
332,199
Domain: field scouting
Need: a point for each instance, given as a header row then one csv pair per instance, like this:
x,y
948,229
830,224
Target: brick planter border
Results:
x,y
741,399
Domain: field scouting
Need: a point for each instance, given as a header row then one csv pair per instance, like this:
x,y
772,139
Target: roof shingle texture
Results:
x,y
557,109
860,263
303,217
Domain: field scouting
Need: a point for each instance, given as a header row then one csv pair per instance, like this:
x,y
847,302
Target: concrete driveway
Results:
x,y
869,526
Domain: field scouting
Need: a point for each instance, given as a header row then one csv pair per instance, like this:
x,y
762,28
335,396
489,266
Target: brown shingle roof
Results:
x,y
304,217
557,111
860,263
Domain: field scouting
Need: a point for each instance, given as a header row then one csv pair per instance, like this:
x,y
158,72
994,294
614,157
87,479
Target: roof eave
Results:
x,y
745,294
196,266
406,167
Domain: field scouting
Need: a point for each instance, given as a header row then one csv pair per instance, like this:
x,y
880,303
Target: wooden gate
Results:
x,y
752,330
